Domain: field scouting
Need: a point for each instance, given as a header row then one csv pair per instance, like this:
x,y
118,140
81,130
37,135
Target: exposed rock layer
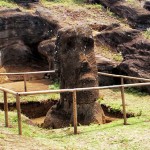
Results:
x,y
20,35
135,50
132,11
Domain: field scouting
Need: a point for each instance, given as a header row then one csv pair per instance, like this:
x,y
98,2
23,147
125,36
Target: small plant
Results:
x,y
147,33
7,3
109,12
55,85
118,57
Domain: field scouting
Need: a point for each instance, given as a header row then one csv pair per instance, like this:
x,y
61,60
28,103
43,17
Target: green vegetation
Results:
x,y
107,52
64,1
146,33
117,57
55,85
7,3
137,103
70,3
113,135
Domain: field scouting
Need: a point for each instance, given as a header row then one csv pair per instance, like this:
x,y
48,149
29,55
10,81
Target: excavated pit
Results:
x,y
36,111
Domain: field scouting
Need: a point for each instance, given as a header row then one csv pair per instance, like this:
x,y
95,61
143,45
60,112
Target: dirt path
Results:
x,y
35,85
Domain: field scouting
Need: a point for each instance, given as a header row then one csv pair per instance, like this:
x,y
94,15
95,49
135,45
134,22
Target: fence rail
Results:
x,y
73,91
122,76
27,73
24,74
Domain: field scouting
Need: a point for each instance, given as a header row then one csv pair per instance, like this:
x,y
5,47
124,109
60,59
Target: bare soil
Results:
x,y
33,85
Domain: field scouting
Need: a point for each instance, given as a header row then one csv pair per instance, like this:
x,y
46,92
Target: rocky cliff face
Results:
x,y
136,16
136,59
134,48
27,42
20,35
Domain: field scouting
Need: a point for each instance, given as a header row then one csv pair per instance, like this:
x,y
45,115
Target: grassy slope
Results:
x,y
113,135
108,136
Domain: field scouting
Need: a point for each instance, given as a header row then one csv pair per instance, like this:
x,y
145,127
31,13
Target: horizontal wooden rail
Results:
x,y
122,76
83,89
53,71
8,91
25,73
18,94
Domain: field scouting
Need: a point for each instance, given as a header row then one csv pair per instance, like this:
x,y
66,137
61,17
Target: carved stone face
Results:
x,y
77,64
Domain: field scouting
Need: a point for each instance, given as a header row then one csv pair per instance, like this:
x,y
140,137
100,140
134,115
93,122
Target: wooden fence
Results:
x,y
73,91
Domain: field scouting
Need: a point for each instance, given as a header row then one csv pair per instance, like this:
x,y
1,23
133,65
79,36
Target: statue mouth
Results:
x,y
87,80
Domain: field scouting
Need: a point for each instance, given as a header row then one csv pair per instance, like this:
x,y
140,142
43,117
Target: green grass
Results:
x,y
146,33
64,1
137,103
7,4
70,4
114,136
55,85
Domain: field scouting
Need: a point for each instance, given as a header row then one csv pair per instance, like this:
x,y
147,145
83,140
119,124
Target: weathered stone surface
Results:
x,y
47,50
15,54
77,68
147,5
107,66
136,60
134,13
25,26
47,15
135,50
20,34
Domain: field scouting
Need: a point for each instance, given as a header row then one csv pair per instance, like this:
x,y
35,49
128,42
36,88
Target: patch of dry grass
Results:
x,y
7,4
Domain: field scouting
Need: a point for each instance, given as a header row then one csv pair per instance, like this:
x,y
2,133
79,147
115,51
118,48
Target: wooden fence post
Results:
x,y
6,109
123,102
19,114
25,83
75,112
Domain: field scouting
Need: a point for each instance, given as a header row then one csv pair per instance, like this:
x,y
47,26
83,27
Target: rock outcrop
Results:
x,y
147,5
20,35
47,49
107,66
136,60
137,16
117,36
135,50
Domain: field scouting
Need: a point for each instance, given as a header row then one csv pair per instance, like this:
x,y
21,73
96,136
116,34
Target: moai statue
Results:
x,y
77,69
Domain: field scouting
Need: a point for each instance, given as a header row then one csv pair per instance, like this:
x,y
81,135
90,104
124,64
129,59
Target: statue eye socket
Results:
x,y
71,43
